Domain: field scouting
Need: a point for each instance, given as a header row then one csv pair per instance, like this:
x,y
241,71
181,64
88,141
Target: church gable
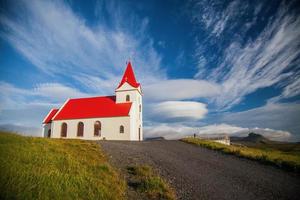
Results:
x,y
50,115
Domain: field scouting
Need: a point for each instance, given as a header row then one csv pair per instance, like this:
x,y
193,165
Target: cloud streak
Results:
x,y
20,107
181,89
246,66
57,41
179,110
282,116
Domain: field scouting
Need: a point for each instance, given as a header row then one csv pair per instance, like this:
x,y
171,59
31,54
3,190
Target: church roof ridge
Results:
x,y
92,107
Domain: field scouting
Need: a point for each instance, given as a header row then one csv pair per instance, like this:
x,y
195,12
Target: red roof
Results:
x,y
50,115
129,77
92,107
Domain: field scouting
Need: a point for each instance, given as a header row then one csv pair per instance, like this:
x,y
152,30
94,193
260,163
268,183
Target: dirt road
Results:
x,y
199,173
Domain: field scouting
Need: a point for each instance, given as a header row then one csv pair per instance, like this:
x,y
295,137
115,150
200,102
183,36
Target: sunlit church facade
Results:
x,y
116,117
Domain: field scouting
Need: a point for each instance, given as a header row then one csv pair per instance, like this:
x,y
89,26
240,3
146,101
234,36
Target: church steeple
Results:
x,y
129,77
129,92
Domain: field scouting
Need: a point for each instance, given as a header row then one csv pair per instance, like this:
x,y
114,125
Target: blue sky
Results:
x,y
205,66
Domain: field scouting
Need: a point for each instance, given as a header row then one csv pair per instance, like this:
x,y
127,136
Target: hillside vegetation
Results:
x,y
40,168
258,141
283,159
144,180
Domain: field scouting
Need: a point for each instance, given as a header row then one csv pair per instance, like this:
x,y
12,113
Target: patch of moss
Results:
x,y
145,181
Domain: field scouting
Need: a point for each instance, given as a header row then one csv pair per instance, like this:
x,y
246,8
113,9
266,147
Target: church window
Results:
x,y
97,128
121,129
80,128
127,97
63,131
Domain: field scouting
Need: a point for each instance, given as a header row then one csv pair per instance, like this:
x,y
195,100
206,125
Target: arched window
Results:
x,y
127,97
121,129
80,128
49,133
63,130
97,128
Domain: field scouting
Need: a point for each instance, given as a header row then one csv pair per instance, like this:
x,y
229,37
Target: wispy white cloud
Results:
x,y
180,89
169,131
11,96
282,116
57,92
98,85
258,63
218,16
178,110
23,107
56,40
216,129
48,94
291,89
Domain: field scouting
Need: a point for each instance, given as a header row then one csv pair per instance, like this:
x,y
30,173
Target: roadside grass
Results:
x,y
144,180
286,160
41,168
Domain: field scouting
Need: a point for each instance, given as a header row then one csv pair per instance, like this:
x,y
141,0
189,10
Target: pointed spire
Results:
x,y
129,77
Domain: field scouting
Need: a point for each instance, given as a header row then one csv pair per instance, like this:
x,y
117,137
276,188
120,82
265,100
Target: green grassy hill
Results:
x,y
43,168
40,168
265,153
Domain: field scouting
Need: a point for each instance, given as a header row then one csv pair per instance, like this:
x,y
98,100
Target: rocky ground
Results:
x,y
199,173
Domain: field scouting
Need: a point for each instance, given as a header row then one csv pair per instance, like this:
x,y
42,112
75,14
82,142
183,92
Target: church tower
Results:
x,y
129,91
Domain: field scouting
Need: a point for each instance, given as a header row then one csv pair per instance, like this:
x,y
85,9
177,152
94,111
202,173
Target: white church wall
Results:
x,y
125,90
136,123
139,118
110,128
136,116
133,133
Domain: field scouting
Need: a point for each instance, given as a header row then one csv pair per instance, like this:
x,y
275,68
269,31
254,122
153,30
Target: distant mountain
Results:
x,y
255,140
155,138
252,137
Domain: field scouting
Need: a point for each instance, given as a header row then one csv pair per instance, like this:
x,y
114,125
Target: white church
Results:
x,y
116,117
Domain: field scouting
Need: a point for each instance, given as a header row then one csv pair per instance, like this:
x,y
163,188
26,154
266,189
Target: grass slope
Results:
x,y
144,180
289,148
286,160
40,168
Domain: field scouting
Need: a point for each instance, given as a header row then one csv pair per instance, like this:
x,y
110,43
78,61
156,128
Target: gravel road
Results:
x,y
199,173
